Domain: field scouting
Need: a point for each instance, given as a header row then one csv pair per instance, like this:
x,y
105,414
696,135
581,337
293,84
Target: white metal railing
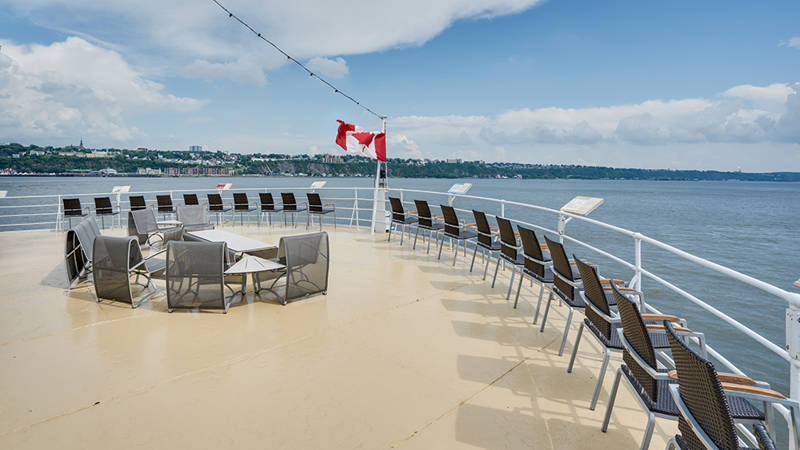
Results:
x,y
790,352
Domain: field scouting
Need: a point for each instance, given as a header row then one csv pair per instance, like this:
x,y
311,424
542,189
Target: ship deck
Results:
x,y
404,352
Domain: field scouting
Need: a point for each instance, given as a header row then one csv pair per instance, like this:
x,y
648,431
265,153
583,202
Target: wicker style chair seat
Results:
x,y
659,339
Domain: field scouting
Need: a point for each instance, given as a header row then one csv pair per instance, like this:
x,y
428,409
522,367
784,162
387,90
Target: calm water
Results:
x,y
750,227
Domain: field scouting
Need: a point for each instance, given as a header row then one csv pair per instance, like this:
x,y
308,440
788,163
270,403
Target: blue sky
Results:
x,y
709,85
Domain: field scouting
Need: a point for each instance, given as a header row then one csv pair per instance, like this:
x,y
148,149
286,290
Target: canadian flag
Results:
x,y
357,141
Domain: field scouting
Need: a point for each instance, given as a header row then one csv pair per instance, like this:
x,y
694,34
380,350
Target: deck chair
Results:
x,y
190,199
536,265
193,218
307,261
103,208
485,239
79,251
241,205
216,206
648,377
164,204
145,224
72,208
267,206
454,230
426,221
316,208
566,285
400,219
509,251
137,202
291,206
115,260
701,395
195,275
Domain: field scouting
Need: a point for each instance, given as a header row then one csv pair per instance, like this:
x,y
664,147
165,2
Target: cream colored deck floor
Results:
x,y
403,352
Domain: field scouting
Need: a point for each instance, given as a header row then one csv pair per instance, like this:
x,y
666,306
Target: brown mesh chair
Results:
x,y
316,208
291,206
400,218
137,202
195,276
267,206
486,240
307,261
216,206
79,250
103,208
193,218
241,205
72,208
426,221
454,230
115,260
510,251
190,199
701,395
566,285
647,379
536,264
164,205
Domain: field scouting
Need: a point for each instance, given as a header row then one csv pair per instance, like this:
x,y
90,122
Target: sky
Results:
x,y
678,84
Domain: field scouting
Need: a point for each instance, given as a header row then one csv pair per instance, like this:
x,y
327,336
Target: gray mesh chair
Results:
x,y
307,261
114,260
316,208
194,218
144,224
103,208
79,251
196,275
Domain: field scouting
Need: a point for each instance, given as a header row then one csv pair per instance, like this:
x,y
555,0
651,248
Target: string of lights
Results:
x,y
290,58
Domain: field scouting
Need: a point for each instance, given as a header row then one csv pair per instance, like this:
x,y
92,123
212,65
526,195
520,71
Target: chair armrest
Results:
x,y
661,328
492,227
438,217
302,203
329,204
752,390
608,281
660,317
543,246
413,212
735,378
469,225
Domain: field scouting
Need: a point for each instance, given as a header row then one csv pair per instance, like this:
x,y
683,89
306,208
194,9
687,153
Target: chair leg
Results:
x,y
600,377
441,244
511,283
455,254
474,253
391,225
430,236
403,229
611,399
416,235
519,288
487,260
566,332
648,432
575,349
539,303
497,266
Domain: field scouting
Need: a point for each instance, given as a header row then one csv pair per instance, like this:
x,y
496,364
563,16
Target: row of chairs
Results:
x,y
241,205
668,377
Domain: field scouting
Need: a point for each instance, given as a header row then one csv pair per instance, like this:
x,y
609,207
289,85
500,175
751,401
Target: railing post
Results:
x,y
637,255
561,227
58,214
502,208
793,348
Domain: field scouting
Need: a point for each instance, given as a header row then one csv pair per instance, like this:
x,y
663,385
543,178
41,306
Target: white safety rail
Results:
x,y
45,212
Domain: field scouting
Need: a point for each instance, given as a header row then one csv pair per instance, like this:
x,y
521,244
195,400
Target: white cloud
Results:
x,y
410,148
771,97
792,42
183,31
333,68
75,88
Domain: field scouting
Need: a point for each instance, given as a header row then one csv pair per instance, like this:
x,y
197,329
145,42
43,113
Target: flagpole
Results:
x,y
379,197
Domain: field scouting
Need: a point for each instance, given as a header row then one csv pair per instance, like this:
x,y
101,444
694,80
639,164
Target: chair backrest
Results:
x,y
307,263
484,230
164,203
102,205
701,391
79,248
240,201
398,212
314,202
86,231
289,202
531,248
636,333
72,206
451,226
424,213
111,263
192,215
508,241
137,202
593,291
214,202
561,266
144,220
195,274
267,202
190,199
